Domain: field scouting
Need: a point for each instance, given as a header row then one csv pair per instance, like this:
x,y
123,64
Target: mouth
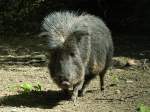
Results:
x,y
65,84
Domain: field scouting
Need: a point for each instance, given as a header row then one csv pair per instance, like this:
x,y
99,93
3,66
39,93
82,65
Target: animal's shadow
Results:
x,y
42,99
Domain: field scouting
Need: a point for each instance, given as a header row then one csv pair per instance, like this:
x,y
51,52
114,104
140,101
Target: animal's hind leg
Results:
x,y
101,75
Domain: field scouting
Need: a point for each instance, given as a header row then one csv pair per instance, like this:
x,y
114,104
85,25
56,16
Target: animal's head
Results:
x,y
66,65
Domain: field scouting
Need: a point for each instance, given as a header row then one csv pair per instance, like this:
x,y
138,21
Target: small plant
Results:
x,y
115,80
143,108
27,87
37,87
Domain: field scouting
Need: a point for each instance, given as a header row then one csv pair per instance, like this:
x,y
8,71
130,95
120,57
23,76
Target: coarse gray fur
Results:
x,y
80,46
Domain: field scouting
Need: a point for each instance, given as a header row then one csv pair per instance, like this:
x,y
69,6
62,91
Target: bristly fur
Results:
x,y
60,25
81,48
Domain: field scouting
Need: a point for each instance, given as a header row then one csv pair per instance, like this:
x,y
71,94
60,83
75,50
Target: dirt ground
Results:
x,y
126,86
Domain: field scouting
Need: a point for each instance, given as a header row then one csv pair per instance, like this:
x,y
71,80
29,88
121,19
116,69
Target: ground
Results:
x,y
127,85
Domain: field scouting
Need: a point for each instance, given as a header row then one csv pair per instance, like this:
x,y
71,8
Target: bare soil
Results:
x,y
126,86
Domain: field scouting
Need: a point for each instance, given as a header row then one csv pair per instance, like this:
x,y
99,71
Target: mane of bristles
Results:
x,y
59,25
60,21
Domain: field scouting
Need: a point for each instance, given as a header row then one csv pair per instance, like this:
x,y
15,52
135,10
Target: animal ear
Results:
x,y
81,34
53,42
43,34
81,31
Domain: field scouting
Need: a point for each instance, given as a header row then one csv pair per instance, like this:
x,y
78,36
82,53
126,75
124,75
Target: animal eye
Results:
x,y
72,54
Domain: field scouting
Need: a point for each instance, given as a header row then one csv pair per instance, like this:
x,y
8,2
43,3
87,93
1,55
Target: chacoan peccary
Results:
x,y
80,47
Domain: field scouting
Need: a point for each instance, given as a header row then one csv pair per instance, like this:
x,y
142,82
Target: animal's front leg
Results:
x,y
76,89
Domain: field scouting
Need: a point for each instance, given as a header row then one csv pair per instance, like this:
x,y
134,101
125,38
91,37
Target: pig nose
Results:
x,y
65,83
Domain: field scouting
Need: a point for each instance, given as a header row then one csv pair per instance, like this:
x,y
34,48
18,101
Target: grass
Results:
x,y
115,79
27,87
143,108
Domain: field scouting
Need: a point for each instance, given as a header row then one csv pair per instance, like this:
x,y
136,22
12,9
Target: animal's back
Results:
x,y
63,24
101,44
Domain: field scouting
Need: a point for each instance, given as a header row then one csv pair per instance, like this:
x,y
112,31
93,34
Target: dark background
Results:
x,y
125,16
128,20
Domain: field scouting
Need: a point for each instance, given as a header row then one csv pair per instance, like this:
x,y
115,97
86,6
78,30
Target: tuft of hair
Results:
x,y
59,21
59,25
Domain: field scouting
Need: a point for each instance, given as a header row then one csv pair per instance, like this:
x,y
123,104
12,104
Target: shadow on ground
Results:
x,y
42,99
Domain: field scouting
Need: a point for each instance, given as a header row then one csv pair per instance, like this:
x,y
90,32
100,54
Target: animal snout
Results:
x,y
65,84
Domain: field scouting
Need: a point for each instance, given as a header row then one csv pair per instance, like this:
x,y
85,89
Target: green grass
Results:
x,y
27,87
115,79
143,108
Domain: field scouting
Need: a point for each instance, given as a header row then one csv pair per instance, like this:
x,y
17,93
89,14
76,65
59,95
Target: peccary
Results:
x,y
80,47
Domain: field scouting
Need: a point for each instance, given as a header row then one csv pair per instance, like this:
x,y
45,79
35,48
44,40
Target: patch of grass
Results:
x,y
27,87
115,79
37,87
143,108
